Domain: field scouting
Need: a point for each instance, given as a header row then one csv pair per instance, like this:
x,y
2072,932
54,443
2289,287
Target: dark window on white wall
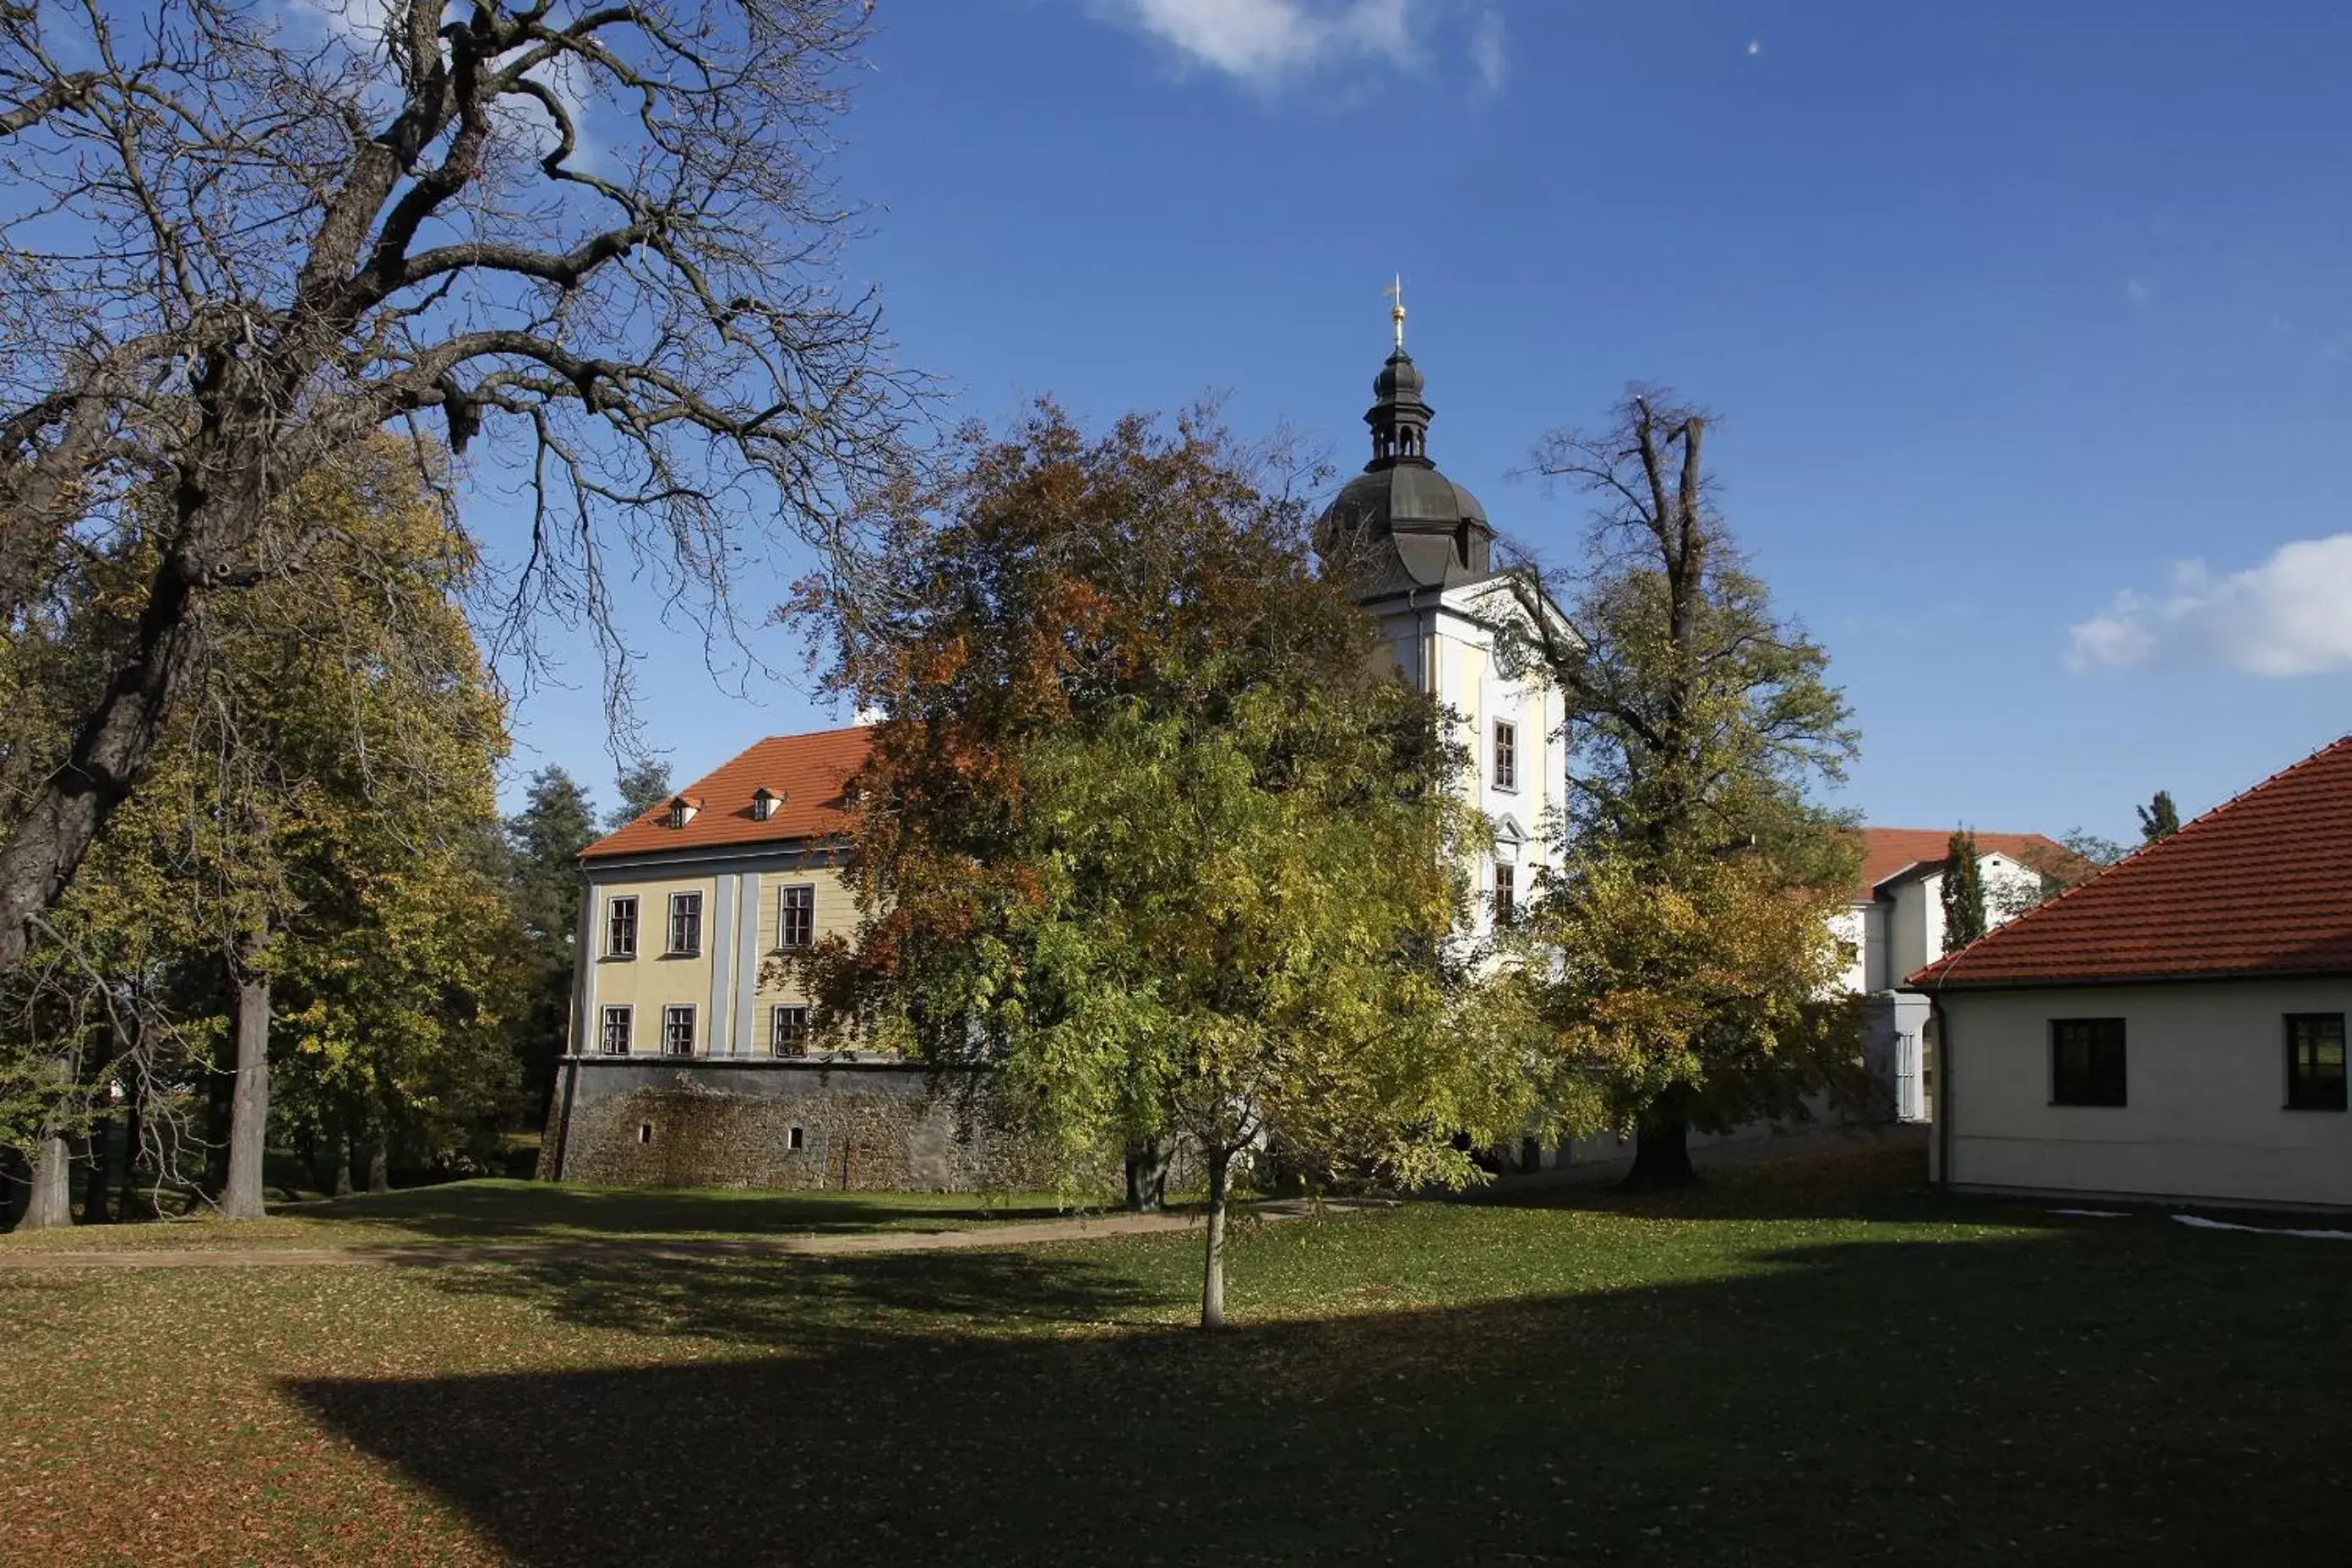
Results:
x,y
1506,894
2086,1061
2315,1061
797,915
788,1031
686,922
617,1021
677,1031
1507,754
621,928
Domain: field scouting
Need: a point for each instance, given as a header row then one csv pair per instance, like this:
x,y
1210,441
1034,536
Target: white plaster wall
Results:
x,y
1852,927
2205,1078
2011,888
1451,645
1915,926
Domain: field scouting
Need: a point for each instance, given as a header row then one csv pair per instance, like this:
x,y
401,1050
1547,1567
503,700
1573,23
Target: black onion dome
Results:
x,y
1399,376
1401,524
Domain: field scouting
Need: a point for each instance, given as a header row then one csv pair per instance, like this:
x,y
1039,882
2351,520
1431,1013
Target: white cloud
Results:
x,y
1486,54
1264,40
2290,615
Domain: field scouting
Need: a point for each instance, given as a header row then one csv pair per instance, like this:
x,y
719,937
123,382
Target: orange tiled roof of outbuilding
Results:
x,y
2260,884
807,771
1888,850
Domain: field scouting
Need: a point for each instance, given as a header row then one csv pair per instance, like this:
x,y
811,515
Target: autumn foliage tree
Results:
x,y
1149,829
1679,955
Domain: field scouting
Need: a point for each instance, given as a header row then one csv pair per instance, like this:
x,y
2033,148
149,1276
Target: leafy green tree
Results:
x,y
643,785
1677,956
356,737
339,765
543,841
2157,818
1150,830
394,1025
1963,891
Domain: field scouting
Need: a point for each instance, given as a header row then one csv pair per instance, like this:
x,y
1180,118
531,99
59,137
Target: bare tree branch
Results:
x,y
600,242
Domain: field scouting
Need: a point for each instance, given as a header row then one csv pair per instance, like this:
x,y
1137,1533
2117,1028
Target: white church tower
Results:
x,y
1421,551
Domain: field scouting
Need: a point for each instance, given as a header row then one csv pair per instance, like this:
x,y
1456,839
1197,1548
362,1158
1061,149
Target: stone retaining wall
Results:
x,y
843,1126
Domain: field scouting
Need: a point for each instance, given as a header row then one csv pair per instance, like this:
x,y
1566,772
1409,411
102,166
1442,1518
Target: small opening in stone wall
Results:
x,y
644,1131
797,1138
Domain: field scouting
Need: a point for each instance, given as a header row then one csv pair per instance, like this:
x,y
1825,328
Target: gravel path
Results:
x,y
438,1255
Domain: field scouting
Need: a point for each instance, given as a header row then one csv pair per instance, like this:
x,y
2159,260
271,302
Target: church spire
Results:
x,y
1400,525
1399,419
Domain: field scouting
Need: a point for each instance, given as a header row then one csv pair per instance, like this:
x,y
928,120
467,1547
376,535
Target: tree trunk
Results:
x,y
1147,1177
12,1181
249,1124
96,1175
52,1204
111,753
1661,1160
1213,1277
134,1115
379,1164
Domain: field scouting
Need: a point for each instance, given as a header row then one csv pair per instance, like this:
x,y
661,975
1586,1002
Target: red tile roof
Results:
x,y
2259,885
806,769
1890,851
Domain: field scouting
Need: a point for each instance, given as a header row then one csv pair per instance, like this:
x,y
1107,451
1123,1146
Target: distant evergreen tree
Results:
x,y
2157,819
643,785
1964,894
543,842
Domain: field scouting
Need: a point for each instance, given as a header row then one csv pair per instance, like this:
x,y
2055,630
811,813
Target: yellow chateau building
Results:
x,y
686,1067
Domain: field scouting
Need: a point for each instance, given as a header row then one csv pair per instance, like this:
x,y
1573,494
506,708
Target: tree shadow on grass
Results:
x,y
806,1304
1856,1179
538,1211
2135,1393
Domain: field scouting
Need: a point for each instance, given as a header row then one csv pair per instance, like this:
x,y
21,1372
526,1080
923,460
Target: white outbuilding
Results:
x,y
2173,1028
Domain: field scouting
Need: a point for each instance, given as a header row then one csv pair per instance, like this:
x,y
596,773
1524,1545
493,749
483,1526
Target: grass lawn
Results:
x,y
513,1211
1803,1366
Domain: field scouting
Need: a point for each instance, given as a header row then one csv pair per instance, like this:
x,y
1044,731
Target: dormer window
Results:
x,y
764,802
682,809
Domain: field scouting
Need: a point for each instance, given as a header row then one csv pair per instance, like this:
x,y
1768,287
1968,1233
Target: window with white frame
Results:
x,y
686,923
617,1024
795,915
1507,754
1506,894
677,1031
788,1030
621,928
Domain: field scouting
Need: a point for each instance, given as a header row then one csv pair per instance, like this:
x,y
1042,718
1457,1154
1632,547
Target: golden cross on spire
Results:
x,y
1395,291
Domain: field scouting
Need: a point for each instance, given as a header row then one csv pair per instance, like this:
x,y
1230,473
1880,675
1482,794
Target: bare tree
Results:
x,y
236,236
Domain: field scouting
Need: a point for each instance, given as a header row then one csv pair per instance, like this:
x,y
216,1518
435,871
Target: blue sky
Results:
x,y
2028,326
